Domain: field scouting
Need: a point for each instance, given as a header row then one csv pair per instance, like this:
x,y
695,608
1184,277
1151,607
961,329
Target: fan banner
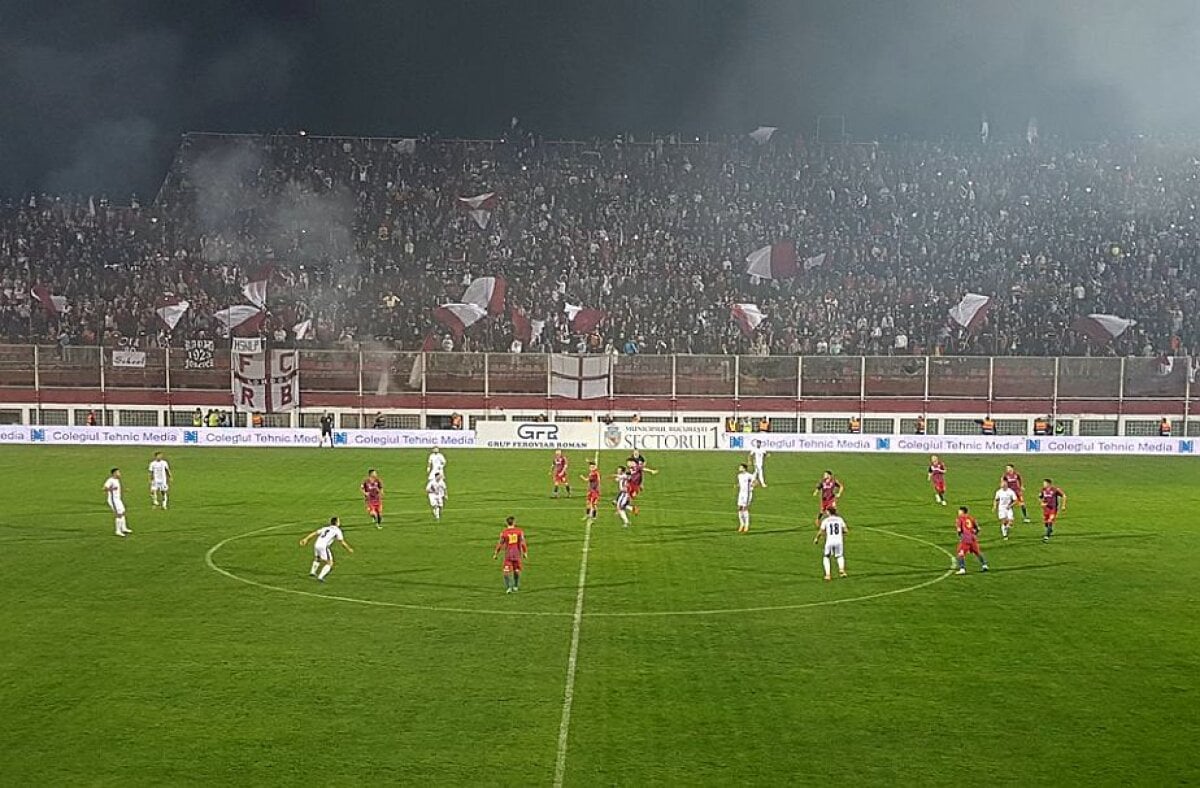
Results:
x,y
129,358
266,383
199,354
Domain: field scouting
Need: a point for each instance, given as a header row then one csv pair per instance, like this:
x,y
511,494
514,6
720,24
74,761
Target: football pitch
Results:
x,y
675,652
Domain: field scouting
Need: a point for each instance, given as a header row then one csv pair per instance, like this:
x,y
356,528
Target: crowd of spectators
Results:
x,y
368,236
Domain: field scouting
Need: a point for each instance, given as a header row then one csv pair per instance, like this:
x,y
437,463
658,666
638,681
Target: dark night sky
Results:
x,y
94,93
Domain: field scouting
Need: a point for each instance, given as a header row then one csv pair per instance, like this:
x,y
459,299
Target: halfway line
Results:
x,y
564,726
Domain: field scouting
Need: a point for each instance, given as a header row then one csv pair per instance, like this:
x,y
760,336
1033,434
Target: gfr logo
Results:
x,y
545,432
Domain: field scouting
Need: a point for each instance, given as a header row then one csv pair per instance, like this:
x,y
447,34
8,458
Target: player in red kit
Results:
x,y
559,471
512,542
968,540
830,490
937,477
1054,500
372,490
593,491
1012,479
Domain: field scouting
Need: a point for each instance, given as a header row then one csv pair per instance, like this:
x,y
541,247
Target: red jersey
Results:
x,y
968,526
512,542
372,489
593,481
560,465
1013,480
829,488
937,471
1051,498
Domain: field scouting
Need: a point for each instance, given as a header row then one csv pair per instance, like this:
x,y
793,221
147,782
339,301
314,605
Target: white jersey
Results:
x,y
437,463
436,490
1005,498
327,536
112,494
834,528
745,481
160,472
758,456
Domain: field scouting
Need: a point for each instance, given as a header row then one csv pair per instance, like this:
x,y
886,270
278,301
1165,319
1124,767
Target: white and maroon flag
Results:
x,y
266,385
487,292
971,311
1102,328
777,261
479,207
255,290
170,310
54,305
241,318
524,329
762,135
459,317
747,316
583,319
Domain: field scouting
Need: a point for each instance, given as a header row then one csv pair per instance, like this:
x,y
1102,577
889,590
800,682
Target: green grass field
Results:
x,y
199,650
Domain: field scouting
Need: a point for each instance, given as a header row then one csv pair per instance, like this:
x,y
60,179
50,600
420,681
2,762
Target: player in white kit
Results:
x,y
322,563
745,487
436,463
436,490
758,458
1003,503
834,529
112,494
160,478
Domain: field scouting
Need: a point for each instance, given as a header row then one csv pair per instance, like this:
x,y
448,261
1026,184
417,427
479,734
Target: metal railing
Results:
x,y
997,379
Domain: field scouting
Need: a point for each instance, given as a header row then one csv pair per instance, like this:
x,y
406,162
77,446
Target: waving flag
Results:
x,y
583,319
256,289
971,311
777,261
459,317
304,330
170,309
242,318
747,316
1102,328
487,292
54,305
816,261
480,207
762,135
524,329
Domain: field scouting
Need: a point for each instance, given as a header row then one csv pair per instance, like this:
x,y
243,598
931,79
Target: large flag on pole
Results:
x,y
459,317
243,318
255,290
54,305
747,316
777,261
170,310
479,207
971,311
1102,328
582,319
487,292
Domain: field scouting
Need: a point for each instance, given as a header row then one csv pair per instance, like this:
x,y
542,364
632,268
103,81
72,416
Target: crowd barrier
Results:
x,y
949,444
580,436
234,437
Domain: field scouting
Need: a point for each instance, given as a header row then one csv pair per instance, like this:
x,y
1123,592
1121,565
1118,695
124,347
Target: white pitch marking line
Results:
x,y
564,725
212,551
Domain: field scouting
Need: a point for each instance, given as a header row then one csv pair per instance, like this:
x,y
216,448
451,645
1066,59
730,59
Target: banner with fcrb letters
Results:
x,y
266,383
